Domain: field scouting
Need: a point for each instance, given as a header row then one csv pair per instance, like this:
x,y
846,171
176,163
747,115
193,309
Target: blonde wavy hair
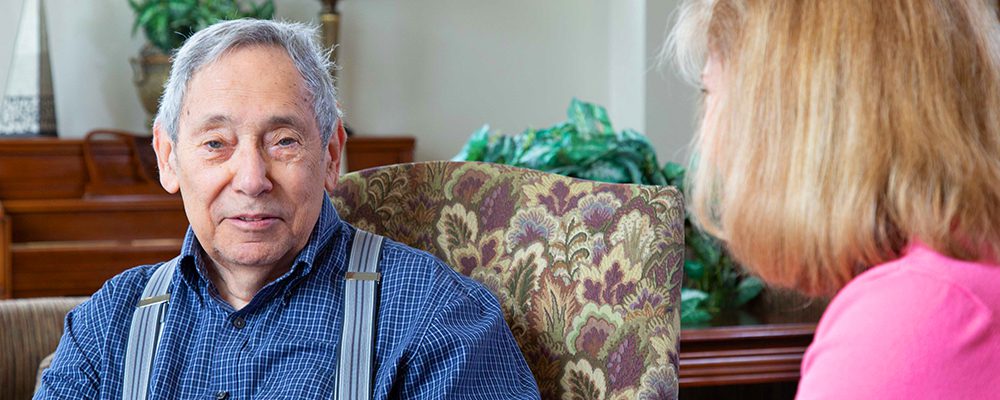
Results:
x,y
847,130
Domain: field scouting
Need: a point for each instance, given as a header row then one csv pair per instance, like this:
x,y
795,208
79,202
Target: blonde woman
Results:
x,y
852,147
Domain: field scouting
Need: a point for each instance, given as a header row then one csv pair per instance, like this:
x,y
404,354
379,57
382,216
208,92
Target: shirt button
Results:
x,y
239,323
222,395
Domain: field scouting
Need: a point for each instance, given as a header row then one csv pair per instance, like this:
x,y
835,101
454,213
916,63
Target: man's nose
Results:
x,y
250,175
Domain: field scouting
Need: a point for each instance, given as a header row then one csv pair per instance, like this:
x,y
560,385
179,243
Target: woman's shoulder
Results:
x,y
922,277
914,326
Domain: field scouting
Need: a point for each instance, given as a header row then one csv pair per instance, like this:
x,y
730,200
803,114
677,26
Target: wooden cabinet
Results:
x,y
60,234
363,152
60,247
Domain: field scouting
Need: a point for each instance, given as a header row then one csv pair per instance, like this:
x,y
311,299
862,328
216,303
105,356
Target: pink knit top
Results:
x,y
923,326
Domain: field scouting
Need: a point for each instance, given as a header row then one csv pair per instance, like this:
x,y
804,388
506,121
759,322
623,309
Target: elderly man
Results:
x,y
254,306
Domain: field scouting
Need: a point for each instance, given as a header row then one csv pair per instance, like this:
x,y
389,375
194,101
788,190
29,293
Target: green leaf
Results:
x,y
673,171
265,11
693,296
694,316
147,14
160,28
167,23
205,17
705,247
694,269
692,306
475,149
748,289
180,9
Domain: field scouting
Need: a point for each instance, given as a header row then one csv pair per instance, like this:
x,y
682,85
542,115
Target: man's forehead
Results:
x,y
274,59
274,120
263,76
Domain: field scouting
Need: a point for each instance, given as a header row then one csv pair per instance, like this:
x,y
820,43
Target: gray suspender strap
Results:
x,y
144,335
356,374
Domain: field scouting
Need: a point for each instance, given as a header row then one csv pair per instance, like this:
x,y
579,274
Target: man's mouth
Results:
x,y
254,221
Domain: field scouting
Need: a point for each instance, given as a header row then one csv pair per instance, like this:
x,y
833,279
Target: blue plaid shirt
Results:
x,y
440,334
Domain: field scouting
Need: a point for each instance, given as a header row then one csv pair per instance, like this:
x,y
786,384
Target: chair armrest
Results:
x,y
31,330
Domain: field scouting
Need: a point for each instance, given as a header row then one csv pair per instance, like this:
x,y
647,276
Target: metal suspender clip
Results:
x,y
363,276
148,301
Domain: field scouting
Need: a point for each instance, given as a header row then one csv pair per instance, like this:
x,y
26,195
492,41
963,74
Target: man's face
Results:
x,y
249,160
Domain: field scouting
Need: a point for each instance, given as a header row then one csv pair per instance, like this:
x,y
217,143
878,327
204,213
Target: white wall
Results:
x,y
439,69
644,95
671,104
627,61
434,69
90,44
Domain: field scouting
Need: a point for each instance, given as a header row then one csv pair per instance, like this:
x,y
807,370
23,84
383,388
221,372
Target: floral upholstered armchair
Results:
x,y
588,274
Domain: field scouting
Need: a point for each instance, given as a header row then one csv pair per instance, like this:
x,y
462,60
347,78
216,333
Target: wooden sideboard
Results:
x,y
61,234
59,247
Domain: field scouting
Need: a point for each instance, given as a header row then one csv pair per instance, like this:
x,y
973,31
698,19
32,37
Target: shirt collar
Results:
x,y
328,223
191,255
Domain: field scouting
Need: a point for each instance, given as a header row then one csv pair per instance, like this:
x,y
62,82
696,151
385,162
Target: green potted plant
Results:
x,y
167,23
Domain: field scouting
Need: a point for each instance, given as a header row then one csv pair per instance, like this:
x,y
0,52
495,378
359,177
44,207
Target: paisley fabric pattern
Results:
x,y
588,273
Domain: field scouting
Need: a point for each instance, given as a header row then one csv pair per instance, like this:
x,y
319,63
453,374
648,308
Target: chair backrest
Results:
x,y
588,273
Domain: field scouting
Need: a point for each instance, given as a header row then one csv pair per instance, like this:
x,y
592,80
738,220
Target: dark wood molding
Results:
x,y
743,354
80,268
6,271
65,220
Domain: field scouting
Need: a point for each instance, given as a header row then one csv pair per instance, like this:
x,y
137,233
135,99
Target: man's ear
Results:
x,y
165,158
334,150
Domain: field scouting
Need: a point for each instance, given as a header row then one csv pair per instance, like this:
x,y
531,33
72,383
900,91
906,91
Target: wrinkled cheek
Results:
x,y
204,188
203,201
200,219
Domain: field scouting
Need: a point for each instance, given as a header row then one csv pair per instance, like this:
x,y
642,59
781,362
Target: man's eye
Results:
x,y
214,144
286,142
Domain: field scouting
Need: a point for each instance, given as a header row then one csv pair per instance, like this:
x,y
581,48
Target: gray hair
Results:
x,y
207,45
